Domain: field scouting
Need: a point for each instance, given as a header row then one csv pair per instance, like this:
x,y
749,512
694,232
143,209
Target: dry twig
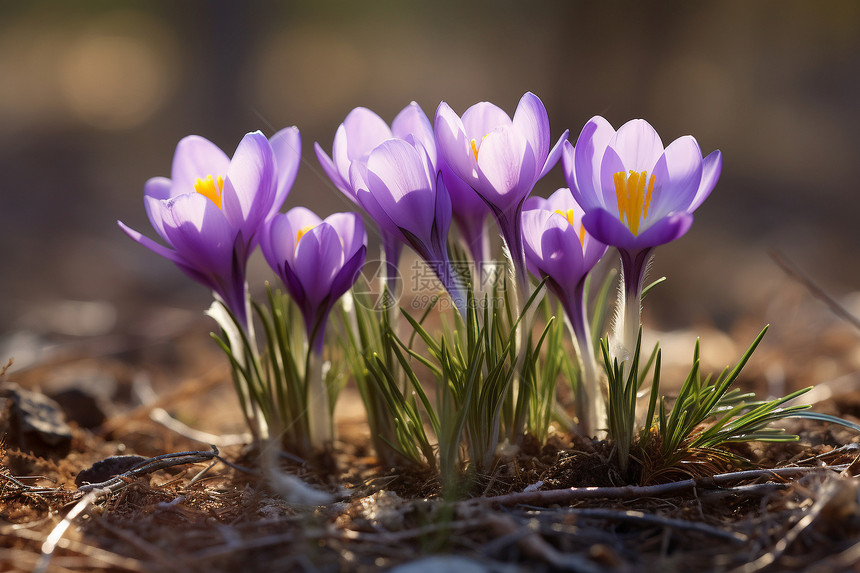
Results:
x,y
833,492
57,533
145,467
558,496
653,519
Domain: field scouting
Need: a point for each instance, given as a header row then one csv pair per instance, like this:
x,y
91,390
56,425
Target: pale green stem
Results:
x,y
590,404
320,427
633,267
252,411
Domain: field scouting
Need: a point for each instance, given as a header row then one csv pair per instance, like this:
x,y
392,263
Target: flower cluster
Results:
x,y
636,195
412,179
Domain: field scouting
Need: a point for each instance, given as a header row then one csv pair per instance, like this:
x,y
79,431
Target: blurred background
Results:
x,y
95,95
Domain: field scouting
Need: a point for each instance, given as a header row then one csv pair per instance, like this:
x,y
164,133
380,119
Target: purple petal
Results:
x,y
553,248
201,234
287,148
677,176
607,198
606,228
274,240
294,286
367,201
561,253
712,166
269,242
568,152
156,248
507,163
362,131
347,274
279,240
464,201
583,172
413,121
533,224
249,188
532,122
399,179
318,258
441,217
158,188
535,203
358,177
665,230
350,229
298,219
562,200
482,118
329,167
195,158
453,145
155,192
301,217
208,281
392,247
339,154
638,145
468,210
554,154
592,250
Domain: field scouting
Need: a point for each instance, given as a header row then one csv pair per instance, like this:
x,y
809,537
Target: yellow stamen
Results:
x,y
633,200
210,188
569,216
474,145
302,232
566,214
648,197
620,193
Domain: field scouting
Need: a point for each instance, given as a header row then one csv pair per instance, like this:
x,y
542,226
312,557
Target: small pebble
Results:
x,y
36,423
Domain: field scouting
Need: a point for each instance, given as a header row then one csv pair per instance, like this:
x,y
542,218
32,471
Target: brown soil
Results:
x,y
182,518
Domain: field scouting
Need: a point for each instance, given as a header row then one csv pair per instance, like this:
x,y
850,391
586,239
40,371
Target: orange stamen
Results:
x,y
632,197
210,188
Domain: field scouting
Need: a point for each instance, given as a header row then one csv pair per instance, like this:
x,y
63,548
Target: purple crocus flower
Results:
x,y
211,209
558,248
500,158
317,260
399,188
360,133
637,196
470,215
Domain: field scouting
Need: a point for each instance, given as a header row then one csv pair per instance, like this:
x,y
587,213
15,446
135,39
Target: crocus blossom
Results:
x,y
212,208
470,215
500,158
317,260
360,133
399,188
558,248
637,195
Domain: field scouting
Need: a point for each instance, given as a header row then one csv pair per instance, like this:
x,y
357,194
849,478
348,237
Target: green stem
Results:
x,y
633,267
320,427
590,405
